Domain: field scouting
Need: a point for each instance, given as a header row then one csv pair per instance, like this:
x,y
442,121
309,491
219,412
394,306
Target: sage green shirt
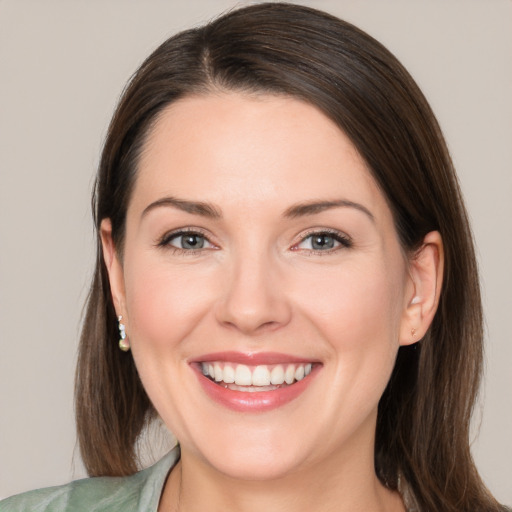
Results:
x,y
136,493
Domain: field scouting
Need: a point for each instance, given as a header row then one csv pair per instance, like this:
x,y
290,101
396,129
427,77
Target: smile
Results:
x,y
254,382
241,377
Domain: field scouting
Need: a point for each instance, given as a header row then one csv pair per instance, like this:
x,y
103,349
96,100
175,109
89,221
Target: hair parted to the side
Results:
x,y
424,414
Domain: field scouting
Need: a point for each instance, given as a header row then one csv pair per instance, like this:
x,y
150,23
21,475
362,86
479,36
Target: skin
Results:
x,y
258,286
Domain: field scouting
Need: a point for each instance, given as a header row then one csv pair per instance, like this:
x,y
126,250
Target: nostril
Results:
x,y
247,326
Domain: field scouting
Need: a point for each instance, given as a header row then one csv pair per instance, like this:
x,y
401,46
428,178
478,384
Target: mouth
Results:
x,y
254,379
254,382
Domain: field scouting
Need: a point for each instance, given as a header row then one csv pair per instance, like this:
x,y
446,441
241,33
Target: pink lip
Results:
x,y
261,401
251,358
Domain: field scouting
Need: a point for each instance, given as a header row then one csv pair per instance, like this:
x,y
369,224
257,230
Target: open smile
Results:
x,y
241,377
238,382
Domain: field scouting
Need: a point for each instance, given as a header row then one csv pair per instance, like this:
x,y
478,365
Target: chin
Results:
x,y
258,455
257,466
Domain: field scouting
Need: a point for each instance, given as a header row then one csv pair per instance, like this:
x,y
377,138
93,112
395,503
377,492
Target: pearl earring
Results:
x,y
124,344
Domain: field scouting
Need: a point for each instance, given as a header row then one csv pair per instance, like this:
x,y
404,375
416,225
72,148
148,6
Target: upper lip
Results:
x,y
251,358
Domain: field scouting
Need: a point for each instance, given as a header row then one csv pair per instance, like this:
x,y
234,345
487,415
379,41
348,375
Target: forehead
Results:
x,y
232,149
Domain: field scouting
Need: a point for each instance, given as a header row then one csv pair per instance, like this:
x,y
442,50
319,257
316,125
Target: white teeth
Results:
x,y
277,375
258,378
229,374
243,375
261,376
218,372
289,374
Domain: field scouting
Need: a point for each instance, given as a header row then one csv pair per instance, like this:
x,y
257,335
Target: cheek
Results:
x,y
357,309
357,313
163,304
355,295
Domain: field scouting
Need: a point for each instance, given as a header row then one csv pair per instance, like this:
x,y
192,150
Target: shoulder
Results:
x,y
104,493
136,493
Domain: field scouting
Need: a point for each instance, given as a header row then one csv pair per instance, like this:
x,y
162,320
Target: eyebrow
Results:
x,y
314,207
194,207
209,210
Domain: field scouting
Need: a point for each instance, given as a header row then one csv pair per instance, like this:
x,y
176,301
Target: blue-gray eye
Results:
x,y
188,241
323,242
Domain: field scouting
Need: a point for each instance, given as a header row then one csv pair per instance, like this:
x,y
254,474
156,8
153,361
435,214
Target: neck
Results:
x,y
343,483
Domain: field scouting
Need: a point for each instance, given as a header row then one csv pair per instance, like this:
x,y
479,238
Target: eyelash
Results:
x,y
344,241
165,241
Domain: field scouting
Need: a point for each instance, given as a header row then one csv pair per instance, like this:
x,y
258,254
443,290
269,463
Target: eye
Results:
x,y
186,241
323,242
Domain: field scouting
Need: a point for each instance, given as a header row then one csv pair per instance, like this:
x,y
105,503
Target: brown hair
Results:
x,y
424,413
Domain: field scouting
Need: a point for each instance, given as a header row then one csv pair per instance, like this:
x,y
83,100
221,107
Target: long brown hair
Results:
x,y
424,414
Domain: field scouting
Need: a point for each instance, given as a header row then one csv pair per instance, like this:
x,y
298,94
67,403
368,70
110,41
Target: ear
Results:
x,y
114,267
423,289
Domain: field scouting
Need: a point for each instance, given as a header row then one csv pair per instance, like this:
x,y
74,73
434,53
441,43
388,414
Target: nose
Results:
x,y
254,298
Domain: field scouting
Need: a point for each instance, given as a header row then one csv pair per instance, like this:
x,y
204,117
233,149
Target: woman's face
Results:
x,y
260,249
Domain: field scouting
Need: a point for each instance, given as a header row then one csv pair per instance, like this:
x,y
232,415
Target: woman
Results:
x,y
285,259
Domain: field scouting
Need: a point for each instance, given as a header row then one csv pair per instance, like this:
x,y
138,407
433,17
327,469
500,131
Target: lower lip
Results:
x,y
259,401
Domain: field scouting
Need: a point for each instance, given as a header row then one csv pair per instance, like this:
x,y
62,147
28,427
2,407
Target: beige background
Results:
x,y
62,67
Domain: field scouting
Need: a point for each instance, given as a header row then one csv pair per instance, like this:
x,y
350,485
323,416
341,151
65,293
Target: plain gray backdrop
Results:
x,y
63,65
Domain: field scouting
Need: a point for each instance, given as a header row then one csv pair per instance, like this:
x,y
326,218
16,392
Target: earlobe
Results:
x,y
114,267
424,290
